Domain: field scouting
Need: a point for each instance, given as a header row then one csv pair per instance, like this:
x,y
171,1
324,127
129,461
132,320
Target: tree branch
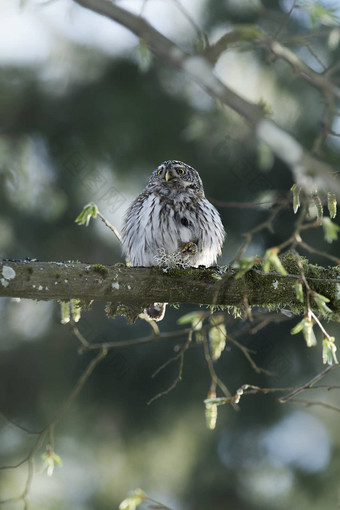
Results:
x,y
308,172
119,284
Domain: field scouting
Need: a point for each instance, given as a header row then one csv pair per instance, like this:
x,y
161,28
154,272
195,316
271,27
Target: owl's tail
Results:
x,y
155,311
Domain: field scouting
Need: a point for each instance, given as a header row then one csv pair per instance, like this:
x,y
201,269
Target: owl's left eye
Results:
x,y
180,171
159,172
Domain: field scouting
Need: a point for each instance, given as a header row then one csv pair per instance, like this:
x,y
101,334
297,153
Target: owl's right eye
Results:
x,y
159,172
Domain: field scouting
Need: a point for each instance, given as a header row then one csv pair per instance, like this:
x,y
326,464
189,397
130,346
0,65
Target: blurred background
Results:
x,y
86,114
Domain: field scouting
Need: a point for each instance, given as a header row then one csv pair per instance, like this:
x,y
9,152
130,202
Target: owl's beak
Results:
x,y
169,175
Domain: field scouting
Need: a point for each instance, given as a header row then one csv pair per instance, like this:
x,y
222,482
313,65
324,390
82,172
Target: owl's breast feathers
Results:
x,y
171,222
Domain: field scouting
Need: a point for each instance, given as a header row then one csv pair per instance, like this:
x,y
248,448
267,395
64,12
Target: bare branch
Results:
x,y
309,403
308,171
180,356
140,286
47,430
308,384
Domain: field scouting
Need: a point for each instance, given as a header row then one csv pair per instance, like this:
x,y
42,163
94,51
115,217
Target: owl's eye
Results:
x,y
159,172
180,171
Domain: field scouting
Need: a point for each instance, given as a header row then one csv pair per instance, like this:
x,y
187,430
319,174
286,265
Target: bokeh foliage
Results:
x,y
98,138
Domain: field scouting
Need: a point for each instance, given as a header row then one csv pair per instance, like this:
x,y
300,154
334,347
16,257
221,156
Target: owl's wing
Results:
x,y
138,230
212,233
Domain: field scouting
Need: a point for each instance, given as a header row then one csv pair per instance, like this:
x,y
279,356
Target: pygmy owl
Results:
x,y
172,223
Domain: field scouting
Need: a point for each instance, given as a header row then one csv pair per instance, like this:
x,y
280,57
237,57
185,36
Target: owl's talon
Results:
x,y
189,248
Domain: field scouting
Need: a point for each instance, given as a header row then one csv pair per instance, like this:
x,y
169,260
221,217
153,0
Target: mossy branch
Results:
x,y
139,286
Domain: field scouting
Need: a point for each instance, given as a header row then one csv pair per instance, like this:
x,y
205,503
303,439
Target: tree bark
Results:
x,y
120,284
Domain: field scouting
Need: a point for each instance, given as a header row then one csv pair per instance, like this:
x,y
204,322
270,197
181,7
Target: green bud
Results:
x,y
65,311
321,301
329,350
332,204
298,327
308,333
271,258
306,326
145,56
217,336
331,230
75,310
318,205
89,211
50,459
244,265
211,415
296,197
211,410
133,501
299,291
194,318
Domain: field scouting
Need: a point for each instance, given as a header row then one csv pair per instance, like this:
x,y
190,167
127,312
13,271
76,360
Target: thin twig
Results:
x,y
285,20
216,381
16,425
312,314
173,385
85,344
180,356
79,385
267,224
309,248
309,403
246,353
308,384
187,15
111,227
139,341
48,428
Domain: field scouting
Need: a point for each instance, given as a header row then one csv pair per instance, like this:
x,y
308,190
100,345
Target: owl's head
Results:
x,y
176,174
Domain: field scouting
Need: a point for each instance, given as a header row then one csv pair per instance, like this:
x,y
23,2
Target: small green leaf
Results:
x,y
265,107
65,311
329,350
266,264
296,197
244,265
298,327
51,459
200,336
145,56
332,204
334,39
320,14
299,291
308,333
331,230
75,309
217,336
216,276
133,501
319,206
306,326
271,259
211,415
89,211
194,318
211,410
321,301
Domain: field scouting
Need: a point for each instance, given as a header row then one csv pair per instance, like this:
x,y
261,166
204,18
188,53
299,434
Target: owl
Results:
x,y
171,223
